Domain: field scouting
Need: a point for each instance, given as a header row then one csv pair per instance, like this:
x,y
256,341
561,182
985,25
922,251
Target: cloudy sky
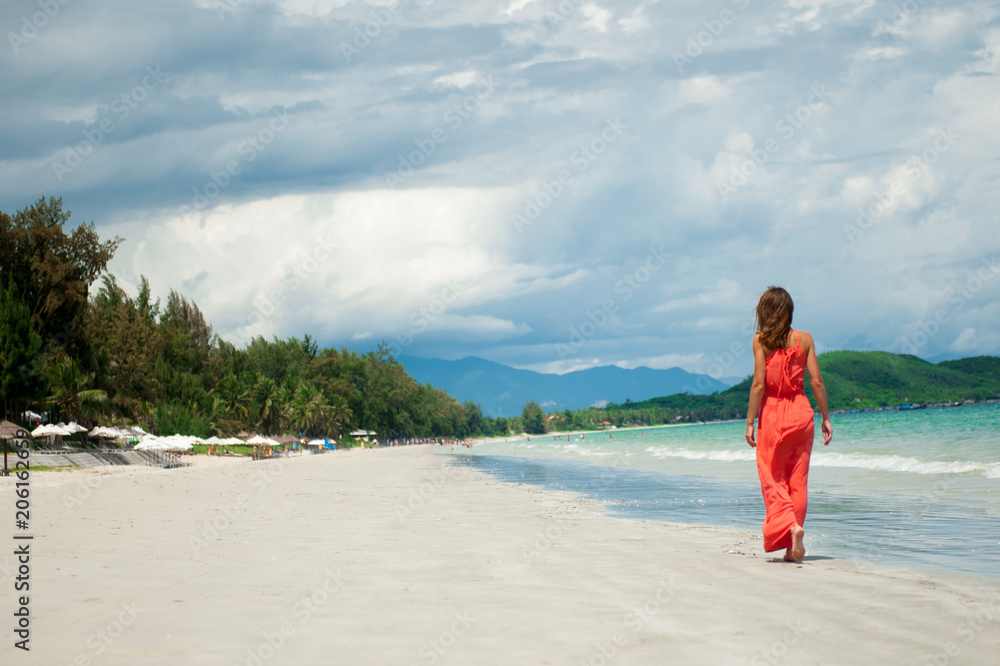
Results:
x,y
551,185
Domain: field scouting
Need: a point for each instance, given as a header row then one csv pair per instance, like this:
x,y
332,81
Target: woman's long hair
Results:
x,y
774,317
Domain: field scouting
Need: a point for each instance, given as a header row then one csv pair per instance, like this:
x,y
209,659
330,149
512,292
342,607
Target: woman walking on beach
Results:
x,y
785,424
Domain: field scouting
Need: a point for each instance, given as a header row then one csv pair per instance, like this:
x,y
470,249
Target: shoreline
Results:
x,y
571,433
395,556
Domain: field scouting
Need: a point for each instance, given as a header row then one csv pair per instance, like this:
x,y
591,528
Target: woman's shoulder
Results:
x,y
805,339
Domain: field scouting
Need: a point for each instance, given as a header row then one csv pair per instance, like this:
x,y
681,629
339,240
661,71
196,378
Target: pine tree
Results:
x,y
21,365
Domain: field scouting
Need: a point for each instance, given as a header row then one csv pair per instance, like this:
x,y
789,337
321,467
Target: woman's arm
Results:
x,y
756,388
819,389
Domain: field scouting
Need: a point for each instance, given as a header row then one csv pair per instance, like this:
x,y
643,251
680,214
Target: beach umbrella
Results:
x,y
8,430
67,430
120,435
286,439
230,441
183,442
257,439
50,430
74,428
172,443
102,433
147,443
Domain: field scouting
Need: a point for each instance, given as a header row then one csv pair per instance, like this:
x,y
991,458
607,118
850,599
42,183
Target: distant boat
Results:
x,y
922,405
953,404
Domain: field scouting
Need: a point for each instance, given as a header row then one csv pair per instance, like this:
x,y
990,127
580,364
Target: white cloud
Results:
x,y
394,251
66,114
723,292
965,341
696,363
701,90
377,257
599,16
483,327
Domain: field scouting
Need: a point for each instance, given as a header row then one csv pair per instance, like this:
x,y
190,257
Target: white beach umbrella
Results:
x,y
147,443
182,442
173,443
48,430
105,431
61,429
257,439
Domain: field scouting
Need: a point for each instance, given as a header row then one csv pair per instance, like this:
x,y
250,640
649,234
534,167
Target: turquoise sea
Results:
x,y
906,489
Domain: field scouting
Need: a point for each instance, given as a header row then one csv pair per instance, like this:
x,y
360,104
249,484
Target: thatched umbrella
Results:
x,y
285,440
8,431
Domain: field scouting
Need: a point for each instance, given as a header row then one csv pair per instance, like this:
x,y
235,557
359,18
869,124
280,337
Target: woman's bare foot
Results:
x,y
788,555
798,549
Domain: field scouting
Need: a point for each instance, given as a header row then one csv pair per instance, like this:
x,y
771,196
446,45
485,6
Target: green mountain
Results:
x,y
854,380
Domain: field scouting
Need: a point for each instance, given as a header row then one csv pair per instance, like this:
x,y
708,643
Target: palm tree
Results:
x,y
71,391
309,411
270,402
339,415
219,421
235,399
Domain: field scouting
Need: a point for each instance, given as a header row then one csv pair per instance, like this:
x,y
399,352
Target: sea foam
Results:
x,y
884,463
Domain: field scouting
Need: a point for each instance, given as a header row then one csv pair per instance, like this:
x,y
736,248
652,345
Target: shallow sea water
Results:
x,y
905,489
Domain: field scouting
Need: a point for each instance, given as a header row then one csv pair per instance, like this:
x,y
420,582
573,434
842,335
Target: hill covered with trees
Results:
x,y
103,356
853,380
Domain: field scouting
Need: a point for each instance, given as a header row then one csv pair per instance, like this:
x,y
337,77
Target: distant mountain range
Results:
x,y
502,391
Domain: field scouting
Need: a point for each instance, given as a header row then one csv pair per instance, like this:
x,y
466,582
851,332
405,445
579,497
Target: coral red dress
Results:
x,y
784,443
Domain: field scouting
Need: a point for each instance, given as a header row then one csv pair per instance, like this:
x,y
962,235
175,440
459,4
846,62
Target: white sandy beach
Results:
x,y
390,557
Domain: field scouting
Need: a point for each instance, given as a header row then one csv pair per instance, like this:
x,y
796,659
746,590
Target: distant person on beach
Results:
x,y
785,424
